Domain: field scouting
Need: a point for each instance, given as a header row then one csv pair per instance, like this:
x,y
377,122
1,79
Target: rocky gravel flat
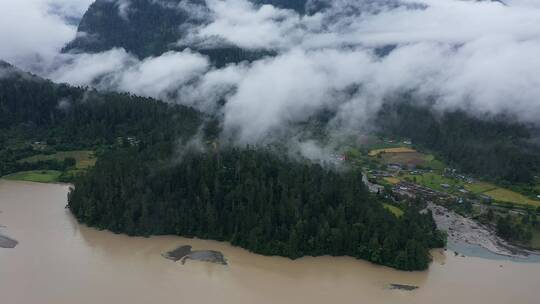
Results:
x,y
465,230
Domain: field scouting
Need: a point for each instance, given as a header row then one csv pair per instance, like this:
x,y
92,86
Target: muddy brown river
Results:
x,y
58,261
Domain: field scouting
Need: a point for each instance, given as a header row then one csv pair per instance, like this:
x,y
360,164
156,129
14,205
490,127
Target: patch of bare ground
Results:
x,y
467,231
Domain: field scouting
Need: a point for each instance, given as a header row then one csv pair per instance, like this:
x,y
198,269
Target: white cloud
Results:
x,y
288,89
89,69
479,56
212,87
124,8
243,24
159,77
163,75
33,30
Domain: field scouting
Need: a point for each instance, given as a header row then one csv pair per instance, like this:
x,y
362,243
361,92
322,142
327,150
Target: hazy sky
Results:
x,y
479,56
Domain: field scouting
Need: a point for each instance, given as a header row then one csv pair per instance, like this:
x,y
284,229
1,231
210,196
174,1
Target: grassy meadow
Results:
x,y
39,176
84,158
395,210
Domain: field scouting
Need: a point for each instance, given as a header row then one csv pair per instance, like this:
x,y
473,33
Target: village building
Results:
x,y
393,167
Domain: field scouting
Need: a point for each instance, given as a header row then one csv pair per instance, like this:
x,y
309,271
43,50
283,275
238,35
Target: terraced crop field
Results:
x,y
505,195
395,210
391,150
407,157
480,187
501,194
84,158
392,180
434,181
404,158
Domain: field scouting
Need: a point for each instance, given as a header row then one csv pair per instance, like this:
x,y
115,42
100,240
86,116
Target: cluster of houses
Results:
x,y
335,159
39,145
407,142
411,190
130,140
380,173
449,172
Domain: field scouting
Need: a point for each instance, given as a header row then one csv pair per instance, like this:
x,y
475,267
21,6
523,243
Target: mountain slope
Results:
x,y
44,109
152,27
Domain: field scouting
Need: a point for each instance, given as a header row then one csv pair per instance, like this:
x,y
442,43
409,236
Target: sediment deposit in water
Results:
x,y
467,231
184,252
6,242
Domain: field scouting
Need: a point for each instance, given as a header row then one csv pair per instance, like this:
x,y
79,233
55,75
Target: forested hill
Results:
x,y
497,148
36,110
37,105
153,27
256,200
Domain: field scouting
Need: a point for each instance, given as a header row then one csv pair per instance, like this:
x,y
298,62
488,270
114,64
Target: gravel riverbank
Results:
x,y
462,230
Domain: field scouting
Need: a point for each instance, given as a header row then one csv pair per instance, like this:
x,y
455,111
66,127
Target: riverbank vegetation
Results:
x,y
39,176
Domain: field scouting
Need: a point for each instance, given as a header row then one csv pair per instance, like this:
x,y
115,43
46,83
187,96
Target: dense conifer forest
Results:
x,y
68,118
256,200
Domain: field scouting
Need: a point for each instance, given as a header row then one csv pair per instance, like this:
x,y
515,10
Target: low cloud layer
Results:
x,y
478,56
33,31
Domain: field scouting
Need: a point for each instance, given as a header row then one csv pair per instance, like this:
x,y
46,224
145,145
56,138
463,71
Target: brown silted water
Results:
x,y
58,261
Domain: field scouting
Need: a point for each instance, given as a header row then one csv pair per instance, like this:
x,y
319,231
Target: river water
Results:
x,y
58,261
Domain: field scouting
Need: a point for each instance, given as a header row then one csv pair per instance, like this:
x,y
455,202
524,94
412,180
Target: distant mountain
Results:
x,y
149,29
4,64
152,27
